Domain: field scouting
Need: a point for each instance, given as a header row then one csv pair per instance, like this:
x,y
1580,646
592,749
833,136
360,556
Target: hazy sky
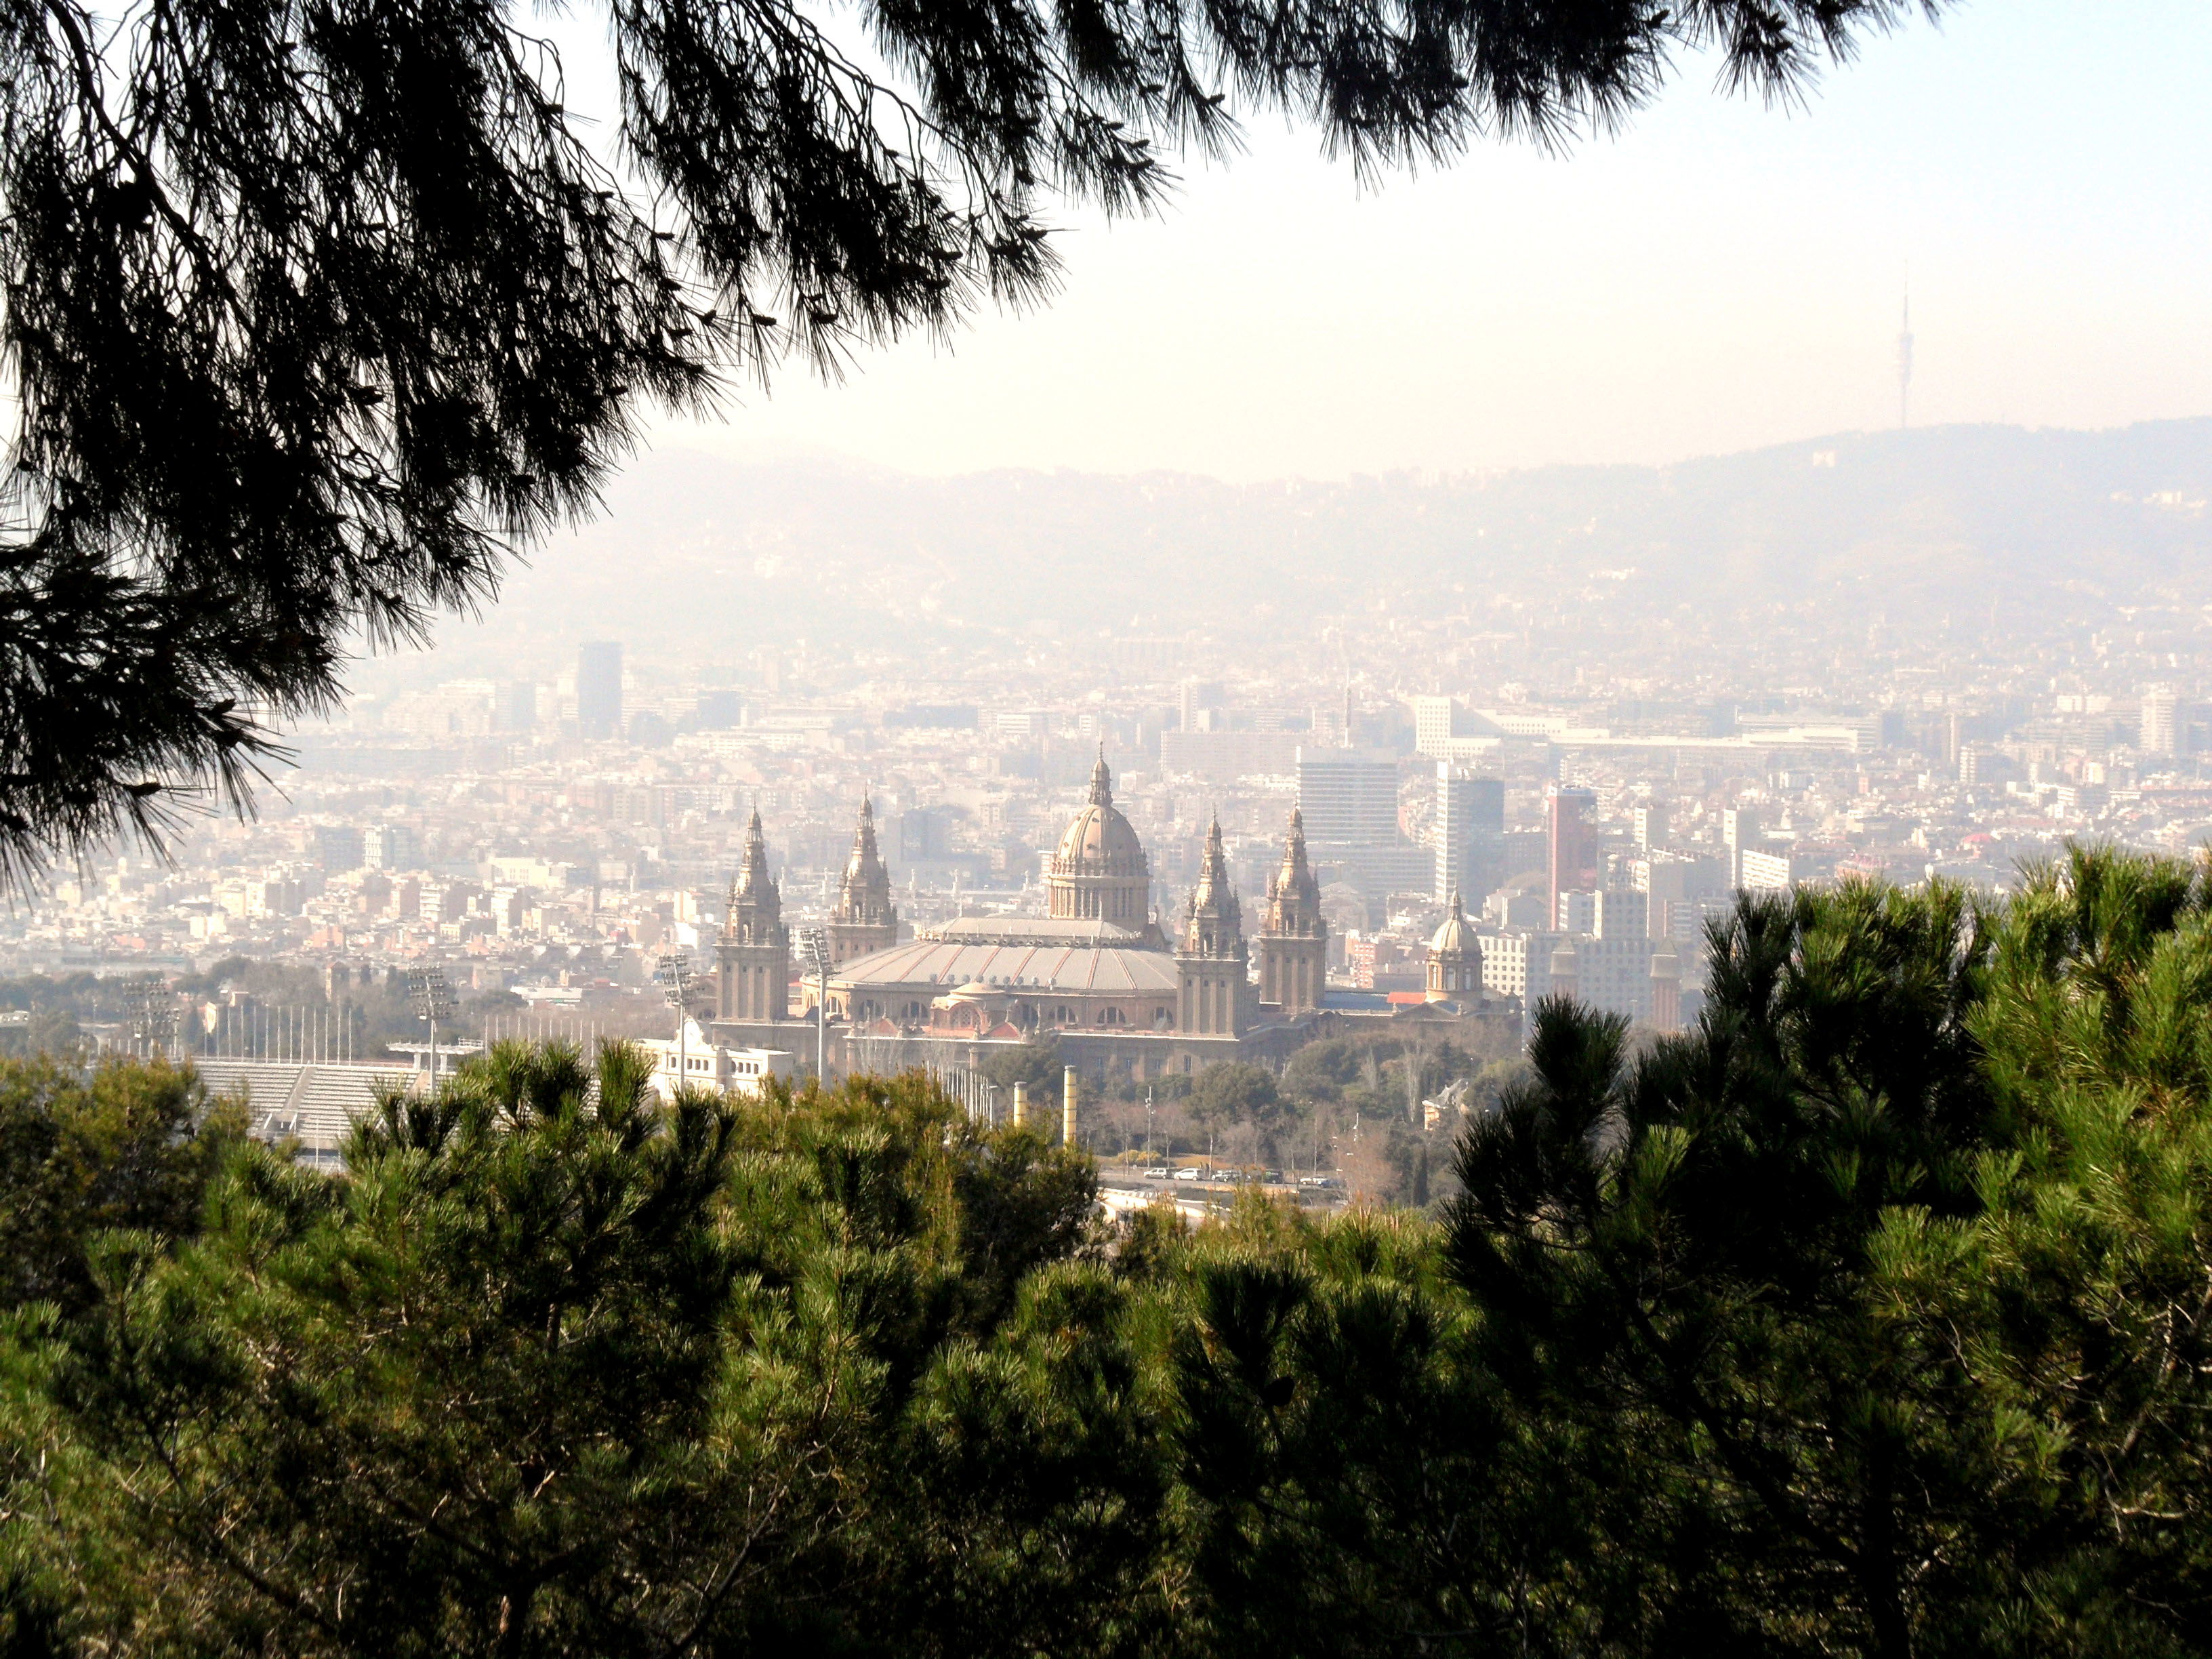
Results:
x,y
1719,275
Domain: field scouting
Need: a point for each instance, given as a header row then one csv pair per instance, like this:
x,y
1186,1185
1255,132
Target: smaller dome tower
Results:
x,y
1455,958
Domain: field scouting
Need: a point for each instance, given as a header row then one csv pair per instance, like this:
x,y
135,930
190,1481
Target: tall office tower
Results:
x,y
599,689
1576,912
516,709
1740,831
1666,989
1573,841
1470,831
1621,913
391,846
1349,796
338,847
1199,696
2163,728
1434,726
1651,826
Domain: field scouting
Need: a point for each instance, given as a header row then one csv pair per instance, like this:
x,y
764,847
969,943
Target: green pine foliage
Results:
x,y
1867,1317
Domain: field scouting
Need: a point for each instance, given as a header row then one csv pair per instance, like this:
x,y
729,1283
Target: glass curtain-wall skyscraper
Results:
x,y
599,689
1573,842
1470,832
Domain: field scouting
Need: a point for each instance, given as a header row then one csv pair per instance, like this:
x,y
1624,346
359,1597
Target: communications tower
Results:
x,y
1904,362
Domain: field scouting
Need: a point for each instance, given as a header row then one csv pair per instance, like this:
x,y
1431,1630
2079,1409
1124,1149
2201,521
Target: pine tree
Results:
x,y
316,308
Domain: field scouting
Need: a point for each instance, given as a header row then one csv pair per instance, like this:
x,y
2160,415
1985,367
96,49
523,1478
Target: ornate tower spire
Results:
x,y
754,885
1213,923
1102,779
864,918
1214,994
753,958
1293,905
1294,943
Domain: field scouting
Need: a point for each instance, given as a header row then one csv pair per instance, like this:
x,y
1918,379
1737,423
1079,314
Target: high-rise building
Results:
x,y
599,688
338,847
1444,731
1666,989
1739,832
1470,833
1621,912
1572,841
1434,723
1198,699
1651,826
1764,872
1349,796
516,705
2165,729
391,846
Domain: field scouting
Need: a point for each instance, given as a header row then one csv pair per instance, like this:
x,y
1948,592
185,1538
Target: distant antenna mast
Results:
x,y
1904,361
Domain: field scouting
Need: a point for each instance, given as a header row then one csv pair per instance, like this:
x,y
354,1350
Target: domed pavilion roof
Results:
x,y
1099,841
1457,936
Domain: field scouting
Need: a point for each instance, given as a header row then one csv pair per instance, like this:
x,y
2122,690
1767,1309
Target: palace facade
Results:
x,y
1119,995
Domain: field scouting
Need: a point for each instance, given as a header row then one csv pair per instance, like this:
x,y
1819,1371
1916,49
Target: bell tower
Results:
x,y
752,958
1294,943
864,918
1213,992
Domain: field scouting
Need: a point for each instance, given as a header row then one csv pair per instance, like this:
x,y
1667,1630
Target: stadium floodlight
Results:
x,y
152,1014
432,999
814,945
680,989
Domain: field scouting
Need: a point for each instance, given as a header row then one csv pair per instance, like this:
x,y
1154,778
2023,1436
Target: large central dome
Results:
x,y
1100,872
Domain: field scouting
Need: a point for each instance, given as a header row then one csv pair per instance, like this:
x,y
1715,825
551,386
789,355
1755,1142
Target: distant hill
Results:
x,y
699,553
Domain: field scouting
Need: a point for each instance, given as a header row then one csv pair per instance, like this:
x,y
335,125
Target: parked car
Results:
x,y
1154,1174
1328,1182
1189,1175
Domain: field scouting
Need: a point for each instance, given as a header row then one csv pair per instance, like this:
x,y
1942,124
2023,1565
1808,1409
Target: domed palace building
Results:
x,y
1119,995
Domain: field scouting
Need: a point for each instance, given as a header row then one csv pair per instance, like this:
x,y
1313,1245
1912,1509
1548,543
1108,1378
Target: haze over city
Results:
x,y
1716,275
769,892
